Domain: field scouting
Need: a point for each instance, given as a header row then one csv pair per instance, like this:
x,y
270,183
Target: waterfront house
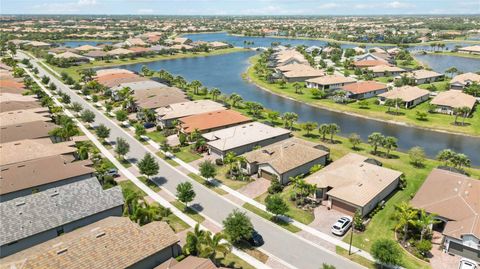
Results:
x,y
385,70
86,48
368,63
354,182
447,101
364,89
72,57
172,112
454,198
300,72
423,76
470,50
329,82
218,45
119,52
459,82
212,121
285,159
410,95
243,138
96,54
135,41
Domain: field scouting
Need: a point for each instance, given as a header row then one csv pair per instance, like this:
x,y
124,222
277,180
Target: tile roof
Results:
x,y
29,215
152,98
110,71
116,79
385,68
423,74
28,130
7,85
453,196
38,172
13,106
406,93
286,155
368,63
454,98
475,48
87,48
12,97
179,110
364,87
31,149
331,79
24,116
111,243
464,78
354,180
190,262
240,135
210,120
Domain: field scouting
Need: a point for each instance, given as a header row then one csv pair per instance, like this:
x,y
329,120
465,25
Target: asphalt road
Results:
x,y
286,246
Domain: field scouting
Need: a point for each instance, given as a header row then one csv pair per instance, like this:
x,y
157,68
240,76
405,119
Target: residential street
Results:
x,y
281,243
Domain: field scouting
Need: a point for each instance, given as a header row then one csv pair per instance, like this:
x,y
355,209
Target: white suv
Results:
x,y
342,225
467,264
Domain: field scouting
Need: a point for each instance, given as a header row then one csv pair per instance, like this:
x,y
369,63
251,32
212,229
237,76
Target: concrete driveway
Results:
x,y
256,188
324,219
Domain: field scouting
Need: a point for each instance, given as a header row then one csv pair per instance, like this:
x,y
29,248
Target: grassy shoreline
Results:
x,y
457,54
436,122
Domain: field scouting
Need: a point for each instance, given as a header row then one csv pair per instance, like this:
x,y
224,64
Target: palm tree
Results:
x,y
405,214
452,70
333,128
289,118
298,87
230,159
195,86
235,99
459,160
390,143
309,126
215,92
424,221
375,139
82,151
214,245
193,241
465,111
457,111
131,198
323,130
65,131
445,156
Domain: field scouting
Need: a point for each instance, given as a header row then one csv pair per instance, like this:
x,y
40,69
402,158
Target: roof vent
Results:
x,y
100,235
55,193
20,203
61,251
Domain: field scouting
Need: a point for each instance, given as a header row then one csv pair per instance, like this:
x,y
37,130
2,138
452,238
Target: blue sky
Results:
x,y
240,7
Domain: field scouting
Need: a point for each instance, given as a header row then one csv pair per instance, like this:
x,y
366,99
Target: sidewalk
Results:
x,y
153,195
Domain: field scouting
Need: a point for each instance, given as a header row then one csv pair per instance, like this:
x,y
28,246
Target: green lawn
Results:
x,y
231,183
168,160
268,216
440,85
156,136
434,121
458,54
384,79
355,258
233,261
202,181
149,183
187,155
189,211
127,184
124,162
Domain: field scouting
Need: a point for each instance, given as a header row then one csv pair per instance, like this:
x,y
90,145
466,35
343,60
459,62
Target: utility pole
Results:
x,y
351,239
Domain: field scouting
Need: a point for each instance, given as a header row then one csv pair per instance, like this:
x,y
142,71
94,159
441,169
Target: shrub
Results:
x,y
219,161
423,247
275,187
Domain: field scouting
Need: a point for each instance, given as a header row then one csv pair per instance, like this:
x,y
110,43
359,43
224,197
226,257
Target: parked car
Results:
x,y
256,240
112,172
148,125
467,264
342,225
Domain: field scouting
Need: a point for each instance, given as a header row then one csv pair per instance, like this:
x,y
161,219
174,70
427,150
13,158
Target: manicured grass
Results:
x,y
124,162
202,181
252,251
409,116
168,160
233,261
73,70
294,212
222,176
288,226
189,211
128,185
384,79
149,183
458,54
440,85
156,136
176,223
355,258
187,155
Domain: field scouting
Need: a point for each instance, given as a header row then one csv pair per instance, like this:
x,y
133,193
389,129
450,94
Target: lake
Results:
x,y
440,63
224,72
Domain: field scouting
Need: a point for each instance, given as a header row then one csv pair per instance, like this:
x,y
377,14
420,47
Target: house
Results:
x,y
423,76
446,102
26,130
368,63
110,243
111,71
288,56
38,44
25,178
182,41
31,149
72,57
454,198
114,79
15,105
172,112
385,58
218,45
86,48
243,138
459,82
14,97
394,51
212,121
284,159
11,86
354,182
470,49
41,216
96,54
190,262
329,82
24,116
364,89
301,72
119,52
181,47
139,51
385,70
359,50
135,42
153,98
410,95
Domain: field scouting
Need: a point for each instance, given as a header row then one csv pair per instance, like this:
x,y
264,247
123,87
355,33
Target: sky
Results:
x,y
240,7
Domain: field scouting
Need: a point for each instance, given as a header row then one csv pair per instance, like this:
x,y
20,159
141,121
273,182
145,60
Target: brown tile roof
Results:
x,y
464,78
12,106
406,93
34,173
385,68
453,196
31,149
110,71
368,63
190,262
112,80
111,243
11,85
14,97
23,116
212,120
331,79
153,98
28,130
422,74
454,98
364,87
286,155
139,49
354,180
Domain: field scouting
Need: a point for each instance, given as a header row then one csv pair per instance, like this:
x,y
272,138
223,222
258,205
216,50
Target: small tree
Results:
x,y
76,107
88,116
389,143
309,126
333,129
148,166
276,205
237,226
102,131
417,156
358,221
182,138
207,169
375,140
185,193
121,115
386,252
355,140
139,130
122,147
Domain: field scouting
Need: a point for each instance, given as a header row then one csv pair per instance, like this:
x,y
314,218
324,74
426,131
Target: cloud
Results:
x,y
397,4
145,11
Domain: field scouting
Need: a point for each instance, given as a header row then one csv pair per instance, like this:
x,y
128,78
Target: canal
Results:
x,y
224,72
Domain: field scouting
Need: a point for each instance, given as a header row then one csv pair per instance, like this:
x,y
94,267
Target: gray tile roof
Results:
x,y
39,212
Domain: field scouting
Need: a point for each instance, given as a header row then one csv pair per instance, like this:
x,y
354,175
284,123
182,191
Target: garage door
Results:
x,y
464,251
267,175
343,207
